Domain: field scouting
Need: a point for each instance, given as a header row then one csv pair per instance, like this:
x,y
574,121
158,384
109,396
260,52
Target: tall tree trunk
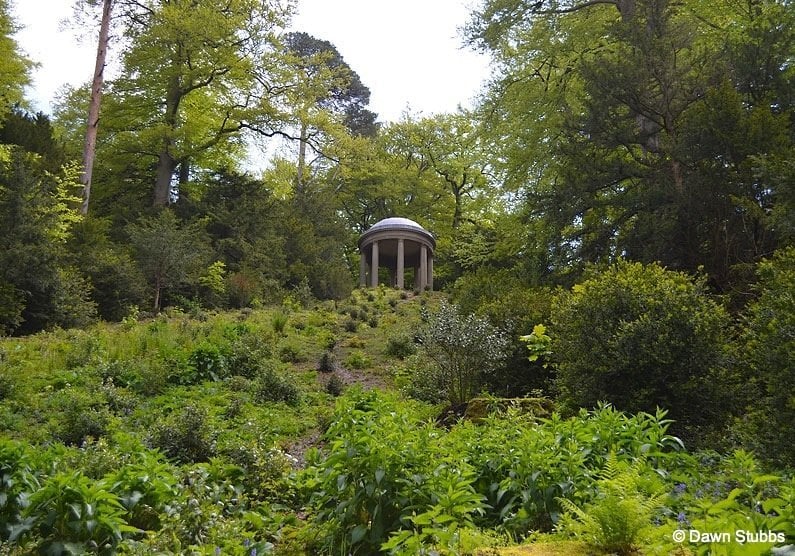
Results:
x,y
165,171
299,178
90,145
166,163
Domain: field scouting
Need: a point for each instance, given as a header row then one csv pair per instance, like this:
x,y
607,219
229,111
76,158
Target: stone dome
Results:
x,y
396,223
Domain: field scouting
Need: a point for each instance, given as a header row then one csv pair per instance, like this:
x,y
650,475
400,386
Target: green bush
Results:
x,y
17,481
186,436
357,359
247,353
335,385
273,385
767,352
327,363
207,361
462,351
79,416
400,347
641,337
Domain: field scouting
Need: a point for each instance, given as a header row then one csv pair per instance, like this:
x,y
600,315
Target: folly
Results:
x,y
397,244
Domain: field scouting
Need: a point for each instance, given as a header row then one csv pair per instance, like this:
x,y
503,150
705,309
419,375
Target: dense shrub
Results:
x,y
327,362
185,436
641,337
400,347
79,416
768,352
247,352
503,296
461,352
335,385
357,359
274,385
207,361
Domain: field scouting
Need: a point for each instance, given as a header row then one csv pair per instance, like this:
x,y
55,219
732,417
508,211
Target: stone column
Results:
x,y
430,271
423,267
401,255
362,269
374,266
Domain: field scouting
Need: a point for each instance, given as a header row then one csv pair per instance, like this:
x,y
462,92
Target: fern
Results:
x,y
618,520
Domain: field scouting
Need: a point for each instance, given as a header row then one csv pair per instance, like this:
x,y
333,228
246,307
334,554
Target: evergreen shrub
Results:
x,y
642,337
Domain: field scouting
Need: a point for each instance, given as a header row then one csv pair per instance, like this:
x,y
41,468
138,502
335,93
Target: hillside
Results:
x,y
283,430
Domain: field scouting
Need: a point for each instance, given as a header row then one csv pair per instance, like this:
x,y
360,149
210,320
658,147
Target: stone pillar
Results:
x,y
423,267
401,255
430,271
374,266
362,269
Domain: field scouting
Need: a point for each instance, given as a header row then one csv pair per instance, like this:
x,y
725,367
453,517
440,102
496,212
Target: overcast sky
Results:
x,y
408,53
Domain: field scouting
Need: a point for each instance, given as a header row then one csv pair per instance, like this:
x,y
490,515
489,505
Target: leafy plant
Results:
x,y
538,343
71,514
186,436
641,337
17,482
273,385
618,519
453,506
461,349
144,488
372,474
207,361
357,359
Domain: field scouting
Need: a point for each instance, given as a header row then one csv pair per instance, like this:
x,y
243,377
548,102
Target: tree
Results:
x,y
38,209
449,146
244,223
768,342
14,66
330,86
92,124
195,75
169,254
600,110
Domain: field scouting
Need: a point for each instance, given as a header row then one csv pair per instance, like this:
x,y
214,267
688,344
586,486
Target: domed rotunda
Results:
x,y
397,244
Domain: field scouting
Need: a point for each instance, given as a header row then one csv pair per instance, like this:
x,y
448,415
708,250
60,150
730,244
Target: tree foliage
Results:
x,y
169,253
766,351
14,65
633,127
41,289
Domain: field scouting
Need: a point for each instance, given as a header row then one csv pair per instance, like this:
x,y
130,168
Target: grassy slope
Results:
x,y
141,367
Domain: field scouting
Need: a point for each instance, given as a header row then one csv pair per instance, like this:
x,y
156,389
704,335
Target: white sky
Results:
x,y
408,52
